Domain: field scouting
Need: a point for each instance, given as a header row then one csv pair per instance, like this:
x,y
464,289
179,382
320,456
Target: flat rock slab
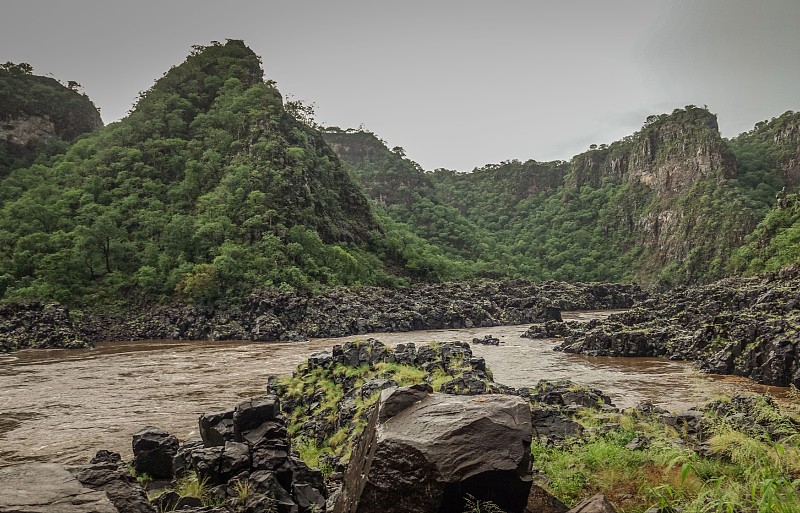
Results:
x,y
47,488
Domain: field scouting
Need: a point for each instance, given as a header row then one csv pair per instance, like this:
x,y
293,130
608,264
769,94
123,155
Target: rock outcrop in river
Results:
x,y
743,326
275,315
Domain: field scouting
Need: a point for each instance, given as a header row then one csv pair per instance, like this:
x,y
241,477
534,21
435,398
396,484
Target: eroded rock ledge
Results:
x,y
747,327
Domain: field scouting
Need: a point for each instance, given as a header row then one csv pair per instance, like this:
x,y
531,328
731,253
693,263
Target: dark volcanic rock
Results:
x,y
539,501
487,340
746,327
153,452
276,315
216,428
114,479
553,425
252,414
594,504
38,326
430,454
248,448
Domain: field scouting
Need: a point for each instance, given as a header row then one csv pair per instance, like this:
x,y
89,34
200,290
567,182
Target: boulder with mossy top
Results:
x,y
428,452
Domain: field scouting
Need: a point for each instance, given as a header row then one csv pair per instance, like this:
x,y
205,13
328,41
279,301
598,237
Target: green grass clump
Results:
x,y
743,473
192,485
403,374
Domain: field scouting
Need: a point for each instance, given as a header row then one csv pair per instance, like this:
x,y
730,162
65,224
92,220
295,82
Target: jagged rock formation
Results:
x,y
745,327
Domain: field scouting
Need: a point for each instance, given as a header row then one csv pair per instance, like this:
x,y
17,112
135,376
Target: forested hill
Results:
x,y
208,189
670,204
213,187
39,116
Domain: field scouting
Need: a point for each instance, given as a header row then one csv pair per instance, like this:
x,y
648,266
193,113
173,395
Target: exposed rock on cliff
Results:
x,y
35,110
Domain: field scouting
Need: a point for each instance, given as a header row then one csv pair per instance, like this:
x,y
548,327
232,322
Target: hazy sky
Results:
x,y
458,84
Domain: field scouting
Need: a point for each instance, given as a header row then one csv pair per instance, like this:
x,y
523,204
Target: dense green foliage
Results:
x,y
214,186
768,156
25,95
208,188
667,205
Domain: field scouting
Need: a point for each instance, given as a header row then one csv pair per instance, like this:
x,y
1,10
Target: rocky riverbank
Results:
x,y
274,315
38,326
743,326
365,428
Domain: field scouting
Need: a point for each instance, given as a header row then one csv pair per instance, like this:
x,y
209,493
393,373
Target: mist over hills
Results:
x,y
214,186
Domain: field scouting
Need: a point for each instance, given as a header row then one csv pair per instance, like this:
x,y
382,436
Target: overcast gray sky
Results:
x,y
458,84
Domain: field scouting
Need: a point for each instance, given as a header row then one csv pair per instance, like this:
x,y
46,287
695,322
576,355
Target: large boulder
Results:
x,y
423,452
153,452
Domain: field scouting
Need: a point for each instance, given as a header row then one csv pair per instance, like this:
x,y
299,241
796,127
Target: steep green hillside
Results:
x,y
667,205
208,188
401,190
39,115
212,188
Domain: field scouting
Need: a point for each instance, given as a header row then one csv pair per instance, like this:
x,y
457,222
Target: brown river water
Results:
x,y
64,405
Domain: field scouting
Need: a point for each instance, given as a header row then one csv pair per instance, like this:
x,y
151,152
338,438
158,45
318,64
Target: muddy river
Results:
x,y
64,405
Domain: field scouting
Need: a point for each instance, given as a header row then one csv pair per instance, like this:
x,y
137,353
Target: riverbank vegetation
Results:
x,y
639,462
734,454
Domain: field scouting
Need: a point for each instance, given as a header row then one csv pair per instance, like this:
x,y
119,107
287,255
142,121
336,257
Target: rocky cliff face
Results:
x,y
671,199
27,130
669,155
35,110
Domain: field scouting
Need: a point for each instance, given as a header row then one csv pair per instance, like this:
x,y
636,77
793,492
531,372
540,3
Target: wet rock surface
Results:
x,y
746,327
153,452
250,468
107,473
48,488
